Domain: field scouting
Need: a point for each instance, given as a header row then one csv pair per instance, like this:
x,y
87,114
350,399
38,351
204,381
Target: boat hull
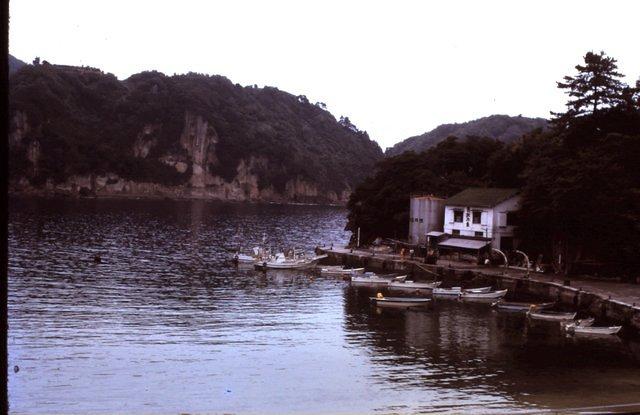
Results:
x,y
375,283
594,331
340,272
519,307
551,317
391,302
413,287
482,296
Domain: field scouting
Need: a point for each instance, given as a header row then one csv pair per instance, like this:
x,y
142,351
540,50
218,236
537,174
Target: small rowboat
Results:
x,y
550,315
598,331
340,271
399,302
482,296
477,290
447,292
369,279
412,286
244,259
519,307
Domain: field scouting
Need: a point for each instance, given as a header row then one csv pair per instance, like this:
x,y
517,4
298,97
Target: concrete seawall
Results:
x,y
595,302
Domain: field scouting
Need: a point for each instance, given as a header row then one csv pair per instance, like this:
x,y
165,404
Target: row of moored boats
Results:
x,y
537,311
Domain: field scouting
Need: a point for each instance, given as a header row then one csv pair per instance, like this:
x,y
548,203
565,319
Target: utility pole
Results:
x,y
358,241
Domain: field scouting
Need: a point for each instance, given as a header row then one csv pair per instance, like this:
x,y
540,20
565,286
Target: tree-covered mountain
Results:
x,y
187,135
500,127
579,178
15,64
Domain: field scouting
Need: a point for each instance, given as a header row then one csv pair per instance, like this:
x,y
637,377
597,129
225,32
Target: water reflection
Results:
x,y
164,312
486,356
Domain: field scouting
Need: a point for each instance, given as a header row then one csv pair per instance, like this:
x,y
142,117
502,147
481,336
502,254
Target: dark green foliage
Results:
x,y
581,196
380,206
87,121
580,180
596,85
499,127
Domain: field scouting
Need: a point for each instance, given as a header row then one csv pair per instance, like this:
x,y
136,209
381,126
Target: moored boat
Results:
x,y
399,302
546,315
447,292
280,261
477,290
598,331
519,307
370,279
482,296
244,259
404,285
339,270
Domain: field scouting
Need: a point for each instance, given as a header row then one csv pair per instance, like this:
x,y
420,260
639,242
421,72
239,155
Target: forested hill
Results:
x,y
501,127
81,130
15,64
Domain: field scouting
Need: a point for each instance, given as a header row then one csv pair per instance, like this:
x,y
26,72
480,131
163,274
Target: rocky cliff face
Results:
x,y
122,145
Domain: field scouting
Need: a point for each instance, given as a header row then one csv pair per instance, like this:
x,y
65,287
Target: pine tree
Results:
x,y
595,87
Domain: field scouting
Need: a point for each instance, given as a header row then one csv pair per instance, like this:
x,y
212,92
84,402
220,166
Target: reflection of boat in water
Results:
x,y
404,285
482,296
370,279
399,302
519,307
339,271
546,315
280,261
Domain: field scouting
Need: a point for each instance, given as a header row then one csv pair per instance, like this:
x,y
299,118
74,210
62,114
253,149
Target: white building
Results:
x,y
482,213
426,214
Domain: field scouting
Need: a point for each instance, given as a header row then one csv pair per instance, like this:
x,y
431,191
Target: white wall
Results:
x,y
492,222
467,227
500,219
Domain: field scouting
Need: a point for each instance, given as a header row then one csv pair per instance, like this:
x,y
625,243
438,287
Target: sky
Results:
x,y
395,68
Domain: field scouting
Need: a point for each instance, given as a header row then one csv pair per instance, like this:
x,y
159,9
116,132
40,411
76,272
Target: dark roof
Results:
x,y
481,197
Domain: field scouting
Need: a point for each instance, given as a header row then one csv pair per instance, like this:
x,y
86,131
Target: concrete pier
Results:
x,y
611,301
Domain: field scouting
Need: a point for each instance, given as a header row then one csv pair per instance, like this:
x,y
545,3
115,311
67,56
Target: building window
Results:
x,y
421,221
512,218
480,234
457,216
455,232
477,216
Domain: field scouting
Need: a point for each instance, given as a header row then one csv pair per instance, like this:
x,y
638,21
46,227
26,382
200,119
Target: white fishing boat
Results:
x,y
280,261
399,302
257,255
597,331
482,296
404,285
370,279
447,292
339,271
519,307
550,315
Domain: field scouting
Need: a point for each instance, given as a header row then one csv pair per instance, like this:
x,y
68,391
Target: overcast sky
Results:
x,y
396,68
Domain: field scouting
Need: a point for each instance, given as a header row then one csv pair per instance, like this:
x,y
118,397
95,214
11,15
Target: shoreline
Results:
x,y
610,300
64,196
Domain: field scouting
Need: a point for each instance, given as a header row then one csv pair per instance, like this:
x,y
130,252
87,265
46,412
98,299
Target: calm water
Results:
x,y
165,325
